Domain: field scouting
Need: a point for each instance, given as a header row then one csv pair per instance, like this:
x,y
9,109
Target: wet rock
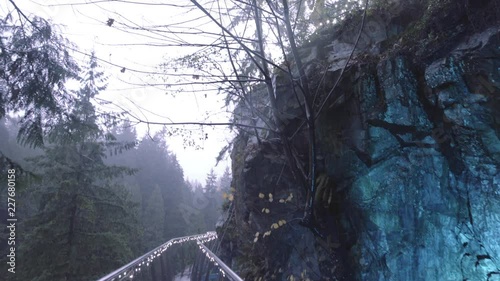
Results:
x,y
413,153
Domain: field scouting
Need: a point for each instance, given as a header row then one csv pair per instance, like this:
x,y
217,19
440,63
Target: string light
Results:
x,y
209,255
135,266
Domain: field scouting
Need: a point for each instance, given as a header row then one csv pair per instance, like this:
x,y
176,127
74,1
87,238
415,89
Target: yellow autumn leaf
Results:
x,y
261,195
267,211
224,195
274,226
230,197
281,222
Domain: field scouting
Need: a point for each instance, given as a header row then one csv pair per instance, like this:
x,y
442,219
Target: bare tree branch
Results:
x,y
346,63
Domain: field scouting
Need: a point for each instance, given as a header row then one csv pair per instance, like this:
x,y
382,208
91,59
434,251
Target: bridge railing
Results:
x,y
130,270
223,268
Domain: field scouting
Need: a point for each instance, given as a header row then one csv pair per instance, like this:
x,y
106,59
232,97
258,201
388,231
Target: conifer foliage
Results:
x,y
34,65
85,220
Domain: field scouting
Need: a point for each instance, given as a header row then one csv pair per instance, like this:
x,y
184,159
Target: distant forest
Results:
x,y
95,195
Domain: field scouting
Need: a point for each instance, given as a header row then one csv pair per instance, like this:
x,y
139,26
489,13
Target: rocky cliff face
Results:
x,y
409,152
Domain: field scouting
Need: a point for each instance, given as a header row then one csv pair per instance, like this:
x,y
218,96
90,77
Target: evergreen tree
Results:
x,y
161,179
211,182
85,222
199,203
33,71
213,195
152,218
225,181
125,140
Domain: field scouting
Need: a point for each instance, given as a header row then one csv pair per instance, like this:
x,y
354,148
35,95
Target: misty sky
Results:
x,y
130,64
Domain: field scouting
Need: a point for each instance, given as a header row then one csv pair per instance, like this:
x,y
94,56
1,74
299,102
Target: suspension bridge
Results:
x,y
155,265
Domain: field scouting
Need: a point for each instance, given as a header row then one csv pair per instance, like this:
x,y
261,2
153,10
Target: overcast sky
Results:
x,y
122,46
